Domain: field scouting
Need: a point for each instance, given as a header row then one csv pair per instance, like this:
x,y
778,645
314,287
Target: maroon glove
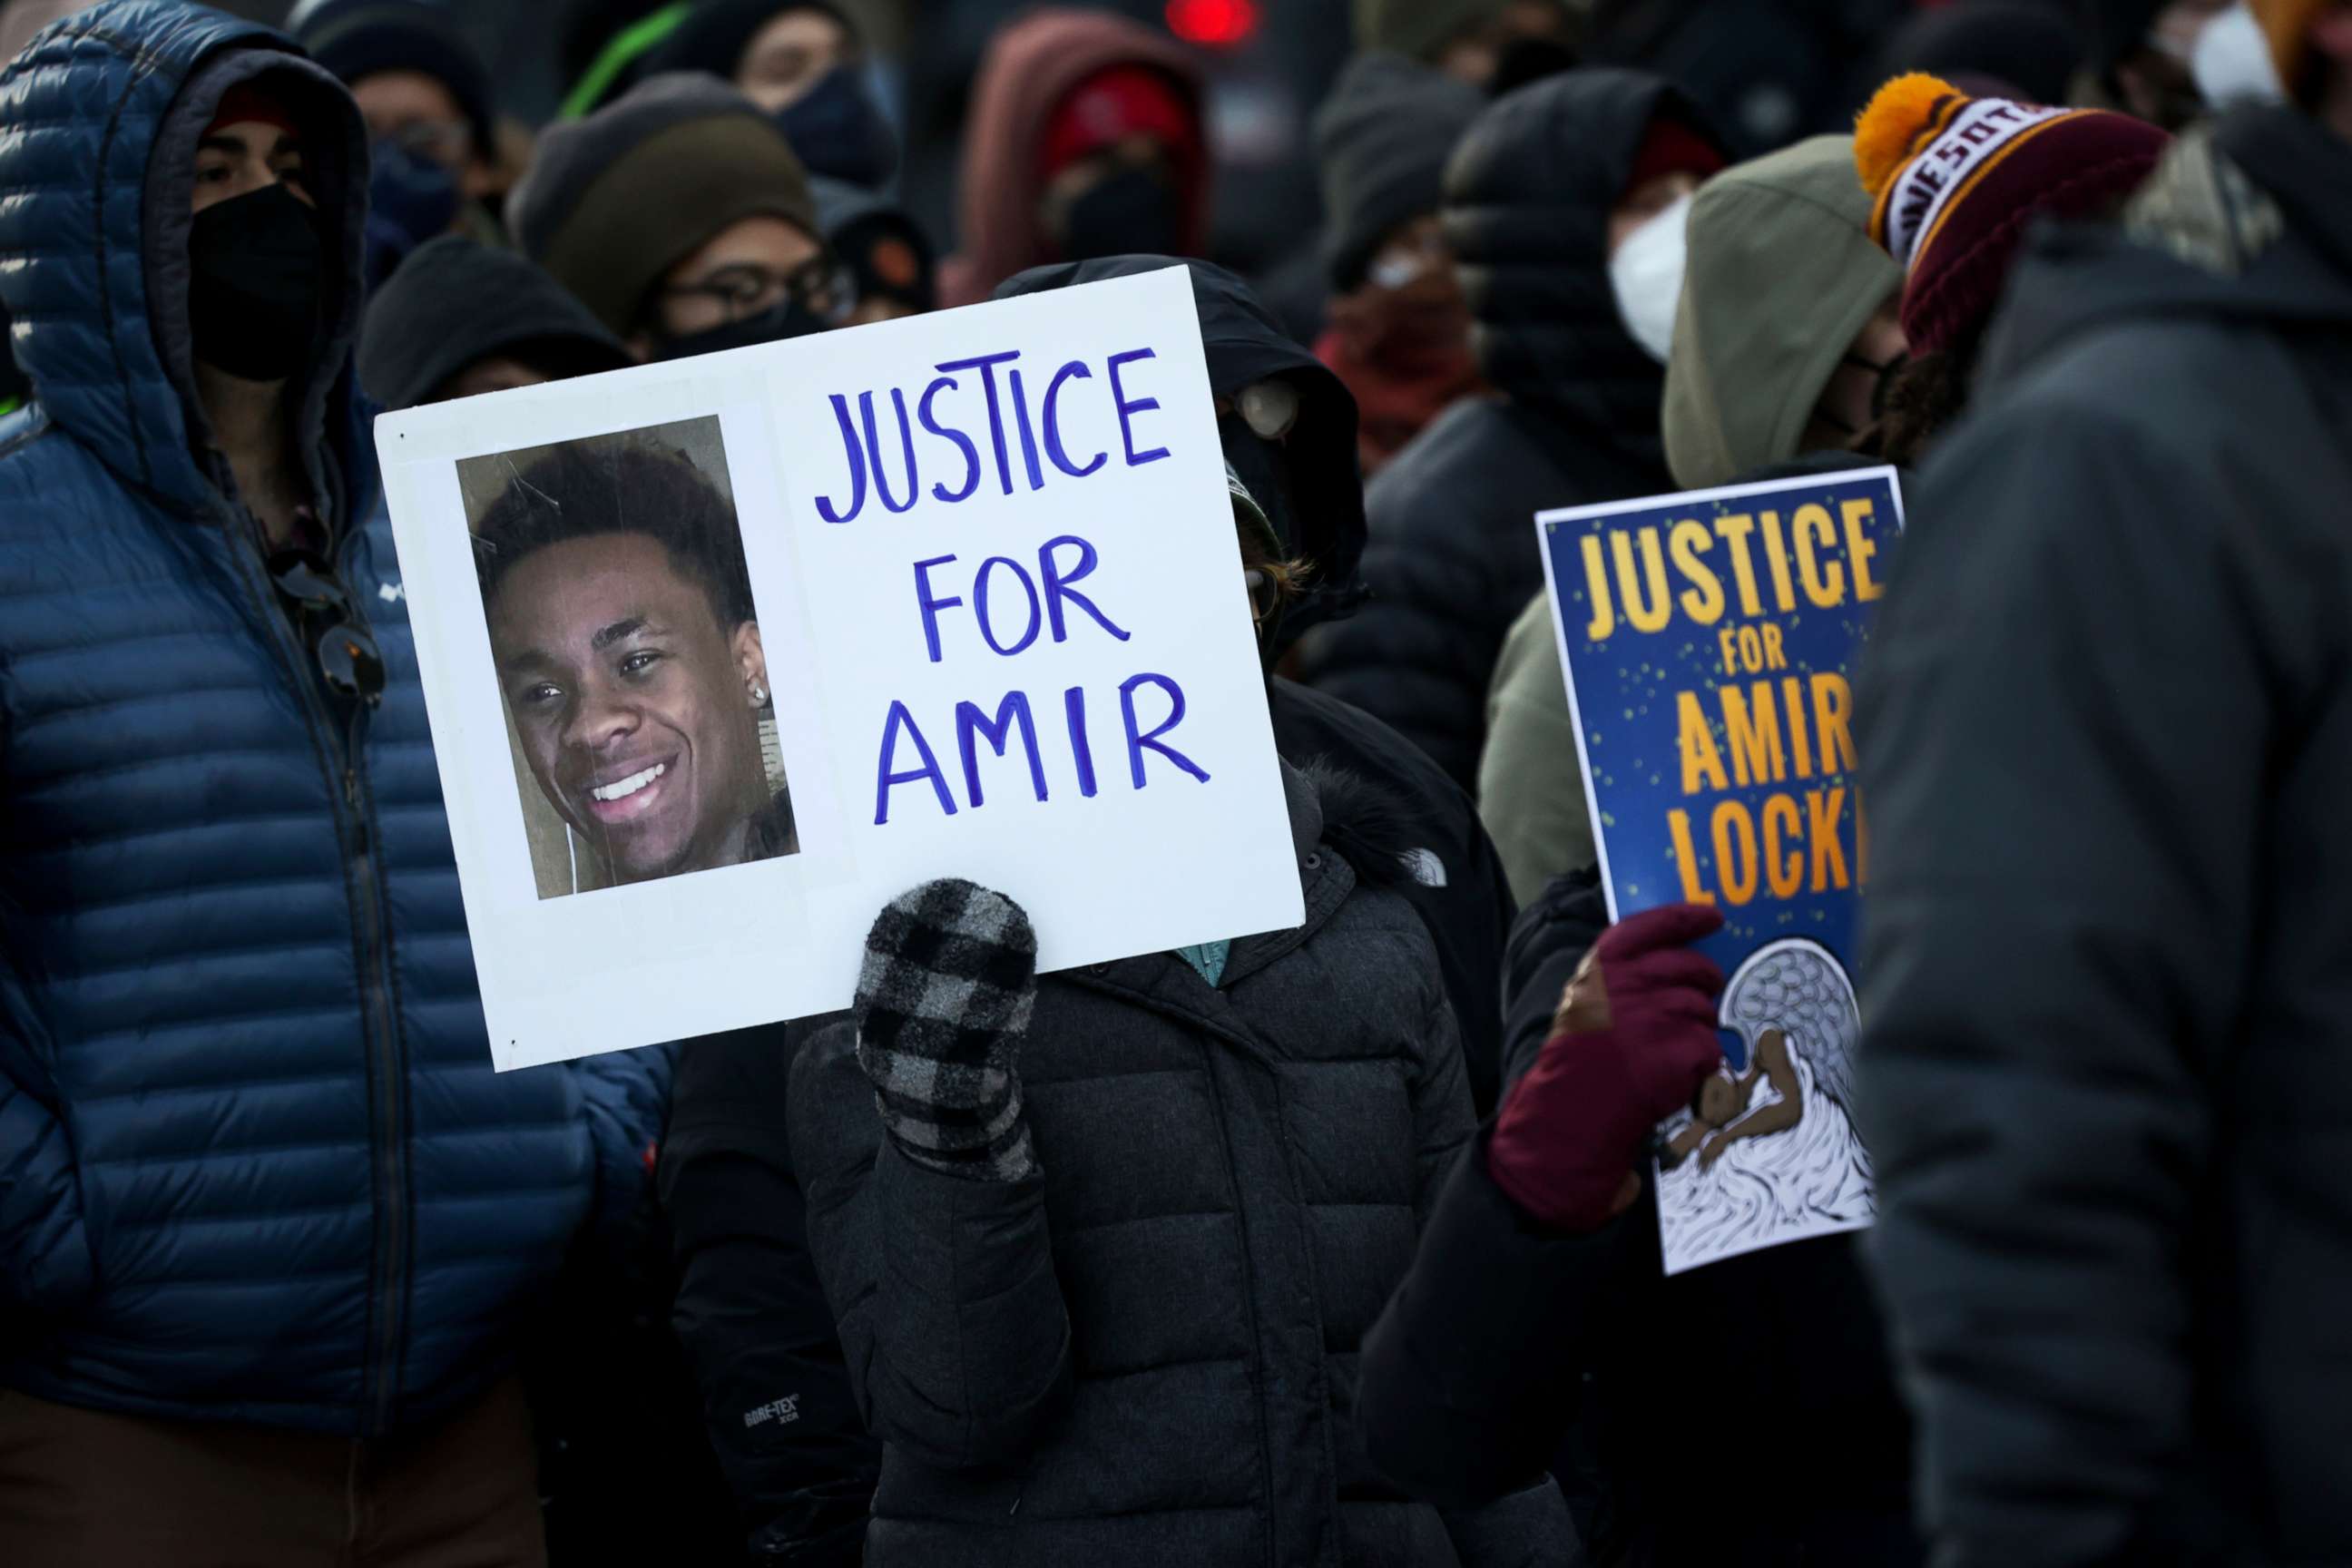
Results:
x,y
1632,1042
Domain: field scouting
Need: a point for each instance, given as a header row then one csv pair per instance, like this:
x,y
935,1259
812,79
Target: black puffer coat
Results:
x,y
1308,482
1147,1355
1451,559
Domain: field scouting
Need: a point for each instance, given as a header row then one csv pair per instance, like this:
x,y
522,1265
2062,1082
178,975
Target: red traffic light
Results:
x,y
1215,24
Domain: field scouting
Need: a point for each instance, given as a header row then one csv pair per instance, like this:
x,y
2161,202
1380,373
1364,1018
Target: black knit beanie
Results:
x,y
356,38
713,35
456,301
1381,139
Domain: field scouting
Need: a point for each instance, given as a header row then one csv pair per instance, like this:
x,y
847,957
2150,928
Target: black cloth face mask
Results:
x,y
836,129
788,318
1133,213
255,283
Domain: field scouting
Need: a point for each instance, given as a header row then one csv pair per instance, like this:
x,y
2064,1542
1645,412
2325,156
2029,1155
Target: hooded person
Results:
x,y
2105,1057
1144,1343
1287,428
891,264
1400,328
1476,42
270,1221
1086,139
601,47
679,216
1785,337
1999,49
424,92
1564,206
803,61
1955,181
1541,1275
460,317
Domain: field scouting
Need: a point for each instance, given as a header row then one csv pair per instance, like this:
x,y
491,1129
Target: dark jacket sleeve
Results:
x,y
1469,1378
1547,941
943,1288
2068,716
624,1095
750,1312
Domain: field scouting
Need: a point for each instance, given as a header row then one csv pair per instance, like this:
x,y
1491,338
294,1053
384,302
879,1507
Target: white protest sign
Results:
x,y
723,655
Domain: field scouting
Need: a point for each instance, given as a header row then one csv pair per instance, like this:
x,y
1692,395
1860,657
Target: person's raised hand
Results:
x,y
1633,1038
942,1004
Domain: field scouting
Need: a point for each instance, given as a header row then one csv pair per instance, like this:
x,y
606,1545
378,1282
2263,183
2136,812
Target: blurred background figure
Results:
x,y
1545,195
460,317
2030,49
1489,45
804,62
886,259
432,120
1086,140
679,216
1400,328
2140,58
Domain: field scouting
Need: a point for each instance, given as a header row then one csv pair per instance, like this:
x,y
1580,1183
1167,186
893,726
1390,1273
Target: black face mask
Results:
x,y
836,129
1265,470
1133,213
253,284
788,318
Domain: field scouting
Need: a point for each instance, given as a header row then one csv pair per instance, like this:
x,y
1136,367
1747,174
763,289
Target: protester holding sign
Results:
x,y
1288,426
268,1222
1784,343
1099,1259
2105,735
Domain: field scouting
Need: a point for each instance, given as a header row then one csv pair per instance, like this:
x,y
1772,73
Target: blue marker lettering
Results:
x,y
1057,586
972,723
1075,371
900,719
824,507
1128,408
1136,743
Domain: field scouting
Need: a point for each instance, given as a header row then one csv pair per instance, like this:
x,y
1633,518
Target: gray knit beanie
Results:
x,y
616,200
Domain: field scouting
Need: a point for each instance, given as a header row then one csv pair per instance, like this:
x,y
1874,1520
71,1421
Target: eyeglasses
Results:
x,y
821,284
1270,588
348,657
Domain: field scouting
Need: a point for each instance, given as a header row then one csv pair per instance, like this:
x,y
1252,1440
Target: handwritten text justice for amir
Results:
x,y
1770,742
1007,603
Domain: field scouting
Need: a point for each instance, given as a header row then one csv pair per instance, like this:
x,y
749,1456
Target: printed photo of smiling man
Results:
x,y
628,651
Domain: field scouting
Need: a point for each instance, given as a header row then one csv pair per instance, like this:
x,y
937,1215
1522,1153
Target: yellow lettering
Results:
x,y
1755,733
1649,613
1734,829
1686,858
1596,579
1702,600
1701,763
1792,703
1775,655
1825,586
1724,638
1734,530
1832,703
1823,809
1784,873
1859,549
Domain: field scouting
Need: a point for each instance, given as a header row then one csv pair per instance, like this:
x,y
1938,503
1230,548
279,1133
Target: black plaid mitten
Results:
x,y
949,981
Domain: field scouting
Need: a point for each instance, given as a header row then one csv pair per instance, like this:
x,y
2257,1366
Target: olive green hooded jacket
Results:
x,y
1782,277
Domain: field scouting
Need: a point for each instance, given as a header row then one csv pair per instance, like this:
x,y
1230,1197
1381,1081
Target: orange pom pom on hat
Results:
x,y
1958,179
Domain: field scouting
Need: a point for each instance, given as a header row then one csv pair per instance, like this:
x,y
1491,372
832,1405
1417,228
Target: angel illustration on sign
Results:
x,y
1777,1156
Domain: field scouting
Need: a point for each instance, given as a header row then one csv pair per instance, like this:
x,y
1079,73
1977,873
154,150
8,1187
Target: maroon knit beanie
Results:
x,y
1958,179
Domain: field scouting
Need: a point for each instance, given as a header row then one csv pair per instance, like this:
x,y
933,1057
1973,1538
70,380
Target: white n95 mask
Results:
x,y
1646,274
2232,62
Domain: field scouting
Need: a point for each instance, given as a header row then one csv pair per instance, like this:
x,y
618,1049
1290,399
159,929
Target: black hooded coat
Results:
x,y
1312,495
2107,1076
1451,556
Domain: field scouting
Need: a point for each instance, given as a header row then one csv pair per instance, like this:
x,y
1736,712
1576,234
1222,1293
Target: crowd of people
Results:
x,y
1333,1246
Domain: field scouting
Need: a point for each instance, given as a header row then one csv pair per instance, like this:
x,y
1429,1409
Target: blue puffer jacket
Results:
x,y
253,1163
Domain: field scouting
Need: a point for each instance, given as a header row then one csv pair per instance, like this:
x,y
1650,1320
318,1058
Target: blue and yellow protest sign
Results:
x,y
1708,640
